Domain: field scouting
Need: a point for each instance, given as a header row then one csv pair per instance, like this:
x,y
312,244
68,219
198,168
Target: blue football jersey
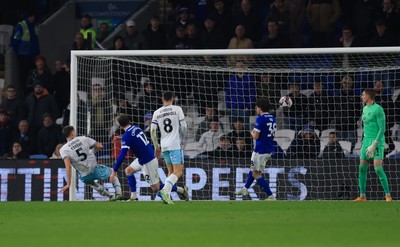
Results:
x,y
266,126
135,140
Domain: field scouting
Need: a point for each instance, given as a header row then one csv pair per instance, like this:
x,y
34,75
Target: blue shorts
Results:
x,y
173,157
100,173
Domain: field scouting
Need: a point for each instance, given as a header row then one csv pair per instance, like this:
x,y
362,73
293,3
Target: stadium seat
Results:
x,y
346,146
396,94
284,136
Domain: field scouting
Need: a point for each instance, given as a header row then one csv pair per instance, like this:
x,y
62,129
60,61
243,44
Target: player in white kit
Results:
x,y
170,121
79,153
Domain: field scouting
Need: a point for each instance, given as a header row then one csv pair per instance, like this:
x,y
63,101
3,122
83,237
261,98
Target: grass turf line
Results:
x,y
307,223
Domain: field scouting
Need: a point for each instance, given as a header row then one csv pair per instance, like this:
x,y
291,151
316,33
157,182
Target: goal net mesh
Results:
x,y
319,128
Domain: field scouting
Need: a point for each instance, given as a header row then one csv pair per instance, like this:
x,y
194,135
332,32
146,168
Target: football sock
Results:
x,y
174,188
383,178
362,178
132,182
249,180
133,195
169,182
117,186
97,187
264,185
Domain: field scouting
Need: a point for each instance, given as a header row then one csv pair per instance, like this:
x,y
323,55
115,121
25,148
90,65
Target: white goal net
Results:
x,y
318,137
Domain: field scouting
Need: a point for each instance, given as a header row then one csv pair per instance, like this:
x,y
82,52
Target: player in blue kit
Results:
x,y
263,133
135,139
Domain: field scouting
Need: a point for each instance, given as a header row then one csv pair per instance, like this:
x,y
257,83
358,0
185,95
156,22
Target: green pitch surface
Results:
x,y
199,224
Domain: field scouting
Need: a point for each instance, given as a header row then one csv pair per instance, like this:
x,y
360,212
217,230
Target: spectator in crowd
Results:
x,y
320,107
133,39
268,88
150,101
155,37
184,18
56,154
249,18
210,37
119,43
100,114
125,108
62,87
26,137
306,145
6,130
392,18
38,103
79,42
210,114
385,100
280,14
239,132
48,136
382,37
364,14
82,112
42,73
193,38
273,39
240,149
294,116
87,29
333,150
224,150
209,140
16,152
25,43
347,111
179,41
297,10
240,40
224,21
103,32
13,105
322,16
240,94
348,39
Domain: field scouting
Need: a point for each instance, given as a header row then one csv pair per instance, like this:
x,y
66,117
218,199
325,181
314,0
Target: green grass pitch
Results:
x,y
300,223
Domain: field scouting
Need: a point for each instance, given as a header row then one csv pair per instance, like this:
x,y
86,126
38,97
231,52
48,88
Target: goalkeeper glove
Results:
x,y
371,149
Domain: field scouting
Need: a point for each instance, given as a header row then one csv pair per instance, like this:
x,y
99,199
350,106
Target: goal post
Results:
x,y
225,83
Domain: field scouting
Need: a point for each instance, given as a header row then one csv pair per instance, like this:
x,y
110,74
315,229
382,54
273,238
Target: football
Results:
x,y
285,101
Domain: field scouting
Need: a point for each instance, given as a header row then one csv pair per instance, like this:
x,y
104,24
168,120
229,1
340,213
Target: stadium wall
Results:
x,y
40,180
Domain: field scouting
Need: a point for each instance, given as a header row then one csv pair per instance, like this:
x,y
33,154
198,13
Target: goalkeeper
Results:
x,y
374,122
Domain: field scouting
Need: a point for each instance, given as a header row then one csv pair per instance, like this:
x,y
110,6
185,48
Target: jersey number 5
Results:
x,y
79,153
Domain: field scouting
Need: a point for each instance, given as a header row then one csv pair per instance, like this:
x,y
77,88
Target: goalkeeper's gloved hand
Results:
x,y
371,149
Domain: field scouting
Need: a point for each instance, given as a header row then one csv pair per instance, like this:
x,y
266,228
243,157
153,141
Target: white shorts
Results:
x,y
258,161
150,170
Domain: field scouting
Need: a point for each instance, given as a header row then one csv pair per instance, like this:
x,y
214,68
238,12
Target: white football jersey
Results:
x,y
79,153
169,118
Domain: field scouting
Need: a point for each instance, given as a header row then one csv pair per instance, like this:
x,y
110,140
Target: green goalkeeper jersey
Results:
x,y
374,121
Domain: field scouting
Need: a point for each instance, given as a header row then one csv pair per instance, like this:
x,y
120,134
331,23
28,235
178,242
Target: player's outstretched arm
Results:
x,y
67,164
154,138
98,146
